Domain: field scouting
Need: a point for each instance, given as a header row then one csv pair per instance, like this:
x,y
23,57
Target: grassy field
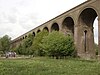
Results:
x,y
47,66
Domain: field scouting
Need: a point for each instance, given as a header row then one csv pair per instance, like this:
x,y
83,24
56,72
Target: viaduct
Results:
x,y
77,22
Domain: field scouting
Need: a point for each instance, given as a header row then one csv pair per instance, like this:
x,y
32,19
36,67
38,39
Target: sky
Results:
x,y
20,16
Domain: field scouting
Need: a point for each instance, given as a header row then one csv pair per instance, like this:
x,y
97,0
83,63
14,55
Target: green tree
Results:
x,y
96,48
25,47
19,49
5,43
58,45
37,41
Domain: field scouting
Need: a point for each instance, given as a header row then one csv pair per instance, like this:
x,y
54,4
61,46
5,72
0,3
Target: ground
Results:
x,y
48,66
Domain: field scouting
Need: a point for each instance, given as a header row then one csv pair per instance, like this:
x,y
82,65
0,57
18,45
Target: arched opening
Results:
x,y
25,36
68,26
95,26
55,27
85,36
38,31
20,39
33,34
86,31
45,28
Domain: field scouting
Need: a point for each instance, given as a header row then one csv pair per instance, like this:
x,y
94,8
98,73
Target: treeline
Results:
x,y
53,44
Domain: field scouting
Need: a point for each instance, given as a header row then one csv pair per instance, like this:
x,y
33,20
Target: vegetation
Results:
x,y
47,66
54,44
25,47
5,43
58,45
38,51
96,48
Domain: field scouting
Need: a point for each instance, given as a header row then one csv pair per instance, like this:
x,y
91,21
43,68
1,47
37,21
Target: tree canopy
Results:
x,y
58,45
5,43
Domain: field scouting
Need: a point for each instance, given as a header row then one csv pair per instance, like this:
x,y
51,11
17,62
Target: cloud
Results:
x,y
28,21
19,16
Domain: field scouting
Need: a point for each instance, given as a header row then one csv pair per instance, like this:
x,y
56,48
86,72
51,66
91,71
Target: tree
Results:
x,y
5,43
25,47
37,41
58,45
19,49
96,48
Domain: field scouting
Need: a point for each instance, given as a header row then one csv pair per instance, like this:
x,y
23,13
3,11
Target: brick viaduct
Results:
x,y
77,22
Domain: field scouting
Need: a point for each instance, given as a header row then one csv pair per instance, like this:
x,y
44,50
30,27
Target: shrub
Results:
x,y
38,51
58,45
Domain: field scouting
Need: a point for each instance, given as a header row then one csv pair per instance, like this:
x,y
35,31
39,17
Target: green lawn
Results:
x,y
47,66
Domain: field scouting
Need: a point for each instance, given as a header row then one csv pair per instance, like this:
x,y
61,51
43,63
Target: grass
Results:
x,y
47,66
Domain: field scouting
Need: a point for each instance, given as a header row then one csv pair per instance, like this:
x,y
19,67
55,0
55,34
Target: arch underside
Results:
x,y
46,28
38,31
34,34
55,27
68,26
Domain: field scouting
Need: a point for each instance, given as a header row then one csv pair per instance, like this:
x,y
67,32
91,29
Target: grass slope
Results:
x,y
47,66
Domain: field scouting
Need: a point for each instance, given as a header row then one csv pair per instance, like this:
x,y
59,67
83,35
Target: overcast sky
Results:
x,y
20,16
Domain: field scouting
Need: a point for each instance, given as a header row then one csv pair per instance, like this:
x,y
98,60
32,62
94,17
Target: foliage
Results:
x,y
25,47
19,49
54,44
58,45
5,43
96,48
37,41
47,66
30,45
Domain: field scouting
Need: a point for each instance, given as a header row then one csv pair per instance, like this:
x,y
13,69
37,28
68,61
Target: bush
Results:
x,y
38,50
58,45
96,48
25,48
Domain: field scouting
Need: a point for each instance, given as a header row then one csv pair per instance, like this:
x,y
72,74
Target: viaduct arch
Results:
x,y
55,27
86,34
46,28
77,22
68,26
